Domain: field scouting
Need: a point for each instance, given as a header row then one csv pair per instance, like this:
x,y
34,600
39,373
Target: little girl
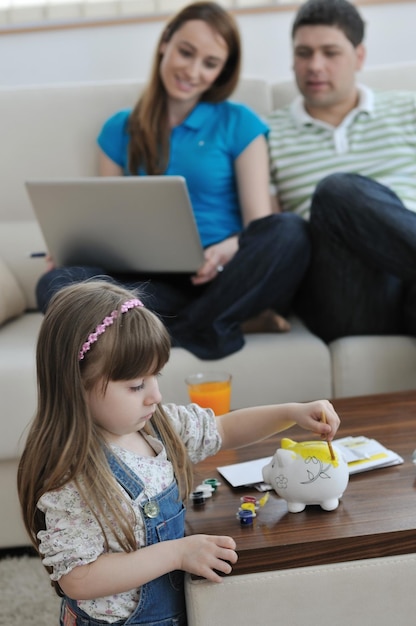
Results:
x,y
106,467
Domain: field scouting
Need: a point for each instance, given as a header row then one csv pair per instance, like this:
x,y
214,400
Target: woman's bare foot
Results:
x,y
267,321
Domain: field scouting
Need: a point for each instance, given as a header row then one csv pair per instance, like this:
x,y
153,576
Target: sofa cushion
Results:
x,y
12,300
270,368
373,364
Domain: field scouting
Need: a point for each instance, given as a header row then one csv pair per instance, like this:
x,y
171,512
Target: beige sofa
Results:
x,y
49,131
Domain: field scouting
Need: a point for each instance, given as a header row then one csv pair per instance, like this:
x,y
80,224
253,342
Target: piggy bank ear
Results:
x,y
287,443
283,458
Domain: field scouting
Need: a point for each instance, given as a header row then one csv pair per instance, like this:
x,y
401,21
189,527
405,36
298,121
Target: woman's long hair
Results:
x,y
63,443
148,125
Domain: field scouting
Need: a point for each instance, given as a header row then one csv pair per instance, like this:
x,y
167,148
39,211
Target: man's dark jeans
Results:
x,y
362,276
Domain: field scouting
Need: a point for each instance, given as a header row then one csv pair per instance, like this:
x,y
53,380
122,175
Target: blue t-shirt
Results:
x,y
203,150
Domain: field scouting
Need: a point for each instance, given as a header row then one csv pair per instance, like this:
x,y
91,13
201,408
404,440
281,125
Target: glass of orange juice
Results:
x,y
211,390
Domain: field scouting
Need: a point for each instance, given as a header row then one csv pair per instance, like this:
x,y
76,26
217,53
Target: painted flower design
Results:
x,y
281,481
318,472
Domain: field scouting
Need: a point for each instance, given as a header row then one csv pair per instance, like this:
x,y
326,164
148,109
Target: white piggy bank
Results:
x,y
304,473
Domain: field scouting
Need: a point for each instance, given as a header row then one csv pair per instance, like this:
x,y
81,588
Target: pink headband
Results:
x,y
107,321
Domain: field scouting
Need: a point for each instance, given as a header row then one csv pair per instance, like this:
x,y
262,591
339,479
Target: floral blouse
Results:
x,y
73,536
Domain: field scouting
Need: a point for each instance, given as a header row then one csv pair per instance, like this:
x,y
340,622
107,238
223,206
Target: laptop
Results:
x,y
123,224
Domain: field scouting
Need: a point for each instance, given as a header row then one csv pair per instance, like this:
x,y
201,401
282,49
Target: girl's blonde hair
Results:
x,y
63,443
148,125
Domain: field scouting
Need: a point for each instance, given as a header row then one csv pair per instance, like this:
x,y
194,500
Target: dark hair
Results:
x,y
148,124
339,13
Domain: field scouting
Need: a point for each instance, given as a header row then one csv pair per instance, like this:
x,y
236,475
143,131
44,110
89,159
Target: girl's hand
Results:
x,y
319,417
207,556
216,256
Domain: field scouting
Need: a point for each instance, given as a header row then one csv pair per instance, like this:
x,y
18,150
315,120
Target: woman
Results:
x,y
184,125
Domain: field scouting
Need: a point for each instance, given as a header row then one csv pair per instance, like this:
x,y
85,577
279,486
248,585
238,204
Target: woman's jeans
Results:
x,y
362,276
266,272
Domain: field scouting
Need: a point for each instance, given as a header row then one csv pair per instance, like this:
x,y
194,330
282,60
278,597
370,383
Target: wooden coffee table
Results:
x,y
376,516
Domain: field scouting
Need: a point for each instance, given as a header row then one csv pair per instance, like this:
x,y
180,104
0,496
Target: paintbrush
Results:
x,y
331,451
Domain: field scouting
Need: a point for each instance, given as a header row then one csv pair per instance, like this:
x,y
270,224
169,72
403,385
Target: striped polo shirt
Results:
x,y
376,139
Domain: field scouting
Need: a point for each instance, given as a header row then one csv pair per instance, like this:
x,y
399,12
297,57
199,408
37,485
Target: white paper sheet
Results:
x,y
247,473
361,454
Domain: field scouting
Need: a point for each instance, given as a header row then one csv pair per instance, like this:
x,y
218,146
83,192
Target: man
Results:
x,y
345,157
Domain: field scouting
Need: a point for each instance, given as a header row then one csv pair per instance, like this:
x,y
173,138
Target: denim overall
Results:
x,y
162,601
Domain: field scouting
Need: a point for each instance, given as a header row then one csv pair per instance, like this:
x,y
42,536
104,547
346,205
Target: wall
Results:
x,y
118,52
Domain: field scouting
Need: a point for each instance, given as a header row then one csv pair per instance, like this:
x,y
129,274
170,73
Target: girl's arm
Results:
x,y
112,573
252,172
107,167
245,426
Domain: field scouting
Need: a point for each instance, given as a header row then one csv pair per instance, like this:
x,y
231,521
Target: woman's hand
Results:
x,y
216,257
207,556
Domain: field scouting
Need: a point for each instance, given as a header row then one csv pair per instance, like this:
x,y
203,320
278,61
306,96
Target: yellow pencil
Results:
x,y
331,451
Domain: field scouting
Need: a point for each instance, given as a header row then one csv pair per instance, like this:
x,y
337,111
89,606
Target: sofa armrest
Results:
x,y
17,241
12,299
